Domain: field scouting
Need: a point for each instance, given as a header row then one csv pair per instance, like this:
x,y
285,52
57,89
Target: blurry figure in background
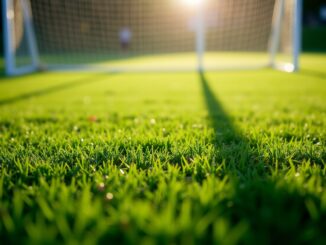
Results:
x,y
125,38
322,13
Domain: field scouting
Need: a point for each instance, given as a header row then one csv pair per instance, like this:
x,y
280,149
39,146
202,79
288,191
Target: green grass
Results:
x,y
186,61
227,157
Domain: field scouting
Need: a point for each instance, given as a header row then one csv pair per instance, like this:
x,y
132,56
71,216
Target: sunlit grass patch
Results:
x,y
164,157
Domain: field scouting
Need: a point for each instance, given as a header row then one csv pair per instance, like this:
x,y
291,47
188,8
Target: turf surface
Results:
x,y
228,157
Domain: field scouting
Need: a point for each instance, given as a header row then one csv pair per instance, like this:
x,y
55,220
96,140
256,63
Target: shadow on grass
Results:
x,y
54,89
312,73
231,145
272,209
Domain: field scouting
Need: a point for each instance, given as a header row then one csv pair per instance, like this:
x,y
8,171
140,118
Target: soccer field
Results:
x,y
164,158
165,62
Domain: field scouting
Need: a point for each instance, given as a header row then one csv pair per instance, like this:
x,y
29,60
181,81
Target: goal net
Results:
x,y
148,35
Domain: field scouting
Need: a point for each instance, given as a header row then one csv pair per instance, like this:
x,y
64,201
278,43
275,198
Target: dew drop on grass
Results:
x,y
122,172
109,196
101,187
152,121
297,174
164,132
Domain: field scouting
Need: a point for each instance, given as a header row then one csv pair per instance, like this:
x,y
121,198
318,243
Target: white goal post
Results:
x,y
147,35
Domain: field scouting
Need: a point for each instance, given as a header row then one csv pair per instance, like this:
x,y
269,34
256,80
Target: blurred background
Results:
x,y
314,26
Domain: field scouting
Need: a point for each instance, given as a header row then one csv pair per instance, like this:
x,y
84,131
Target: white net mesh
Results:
x,y
22,52
154,35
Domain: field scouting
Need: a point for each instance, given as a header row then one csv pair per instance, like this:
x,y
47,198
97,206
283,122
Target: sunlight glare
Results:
x,y
192,3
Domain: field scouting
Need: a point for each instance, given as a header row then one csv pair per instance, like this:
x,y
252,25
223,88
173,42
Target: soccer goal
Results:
x,y
148,35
